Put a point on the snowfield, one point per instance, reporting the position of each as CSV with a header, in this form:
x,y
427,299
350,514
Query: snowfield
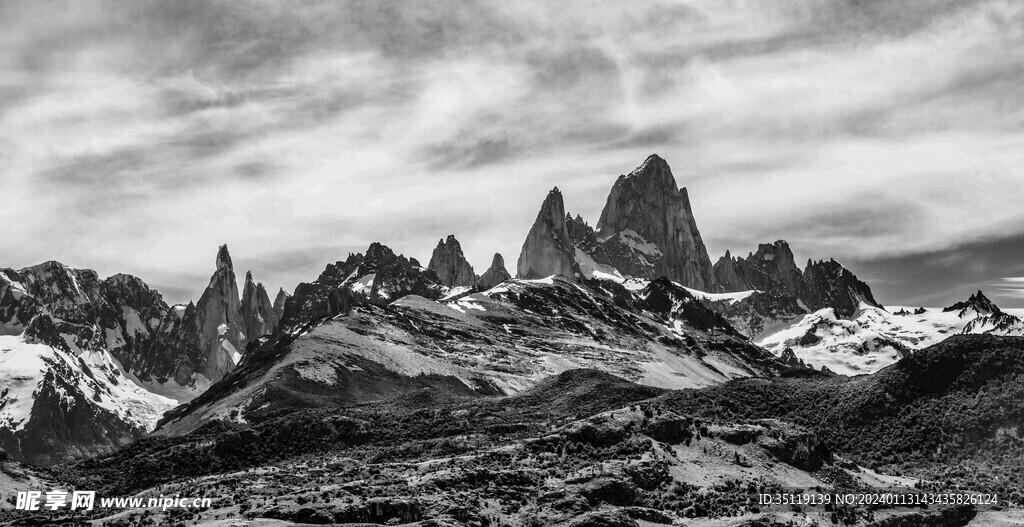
x,y
23,366
872,338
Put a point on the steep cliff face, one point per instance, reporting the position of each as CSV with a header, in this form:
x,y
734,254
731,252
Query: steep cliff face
x,y
257,311
727,276
495,274
70,344
279,302
450,265
221,328
548,249
829,284
771,268
648,230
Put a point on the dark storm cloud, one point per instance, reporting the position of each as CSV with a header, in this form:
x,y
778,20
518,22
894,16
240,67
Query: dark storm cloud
x,y
941,278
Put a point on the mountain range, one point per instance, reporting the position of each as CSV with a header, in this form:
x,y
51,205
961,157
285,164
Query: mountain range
x,y
90,366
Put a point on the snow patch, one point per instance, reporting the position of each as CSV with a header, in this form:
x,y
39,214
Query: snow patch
x,y
714,297
133,323
638,243
591,269
364,284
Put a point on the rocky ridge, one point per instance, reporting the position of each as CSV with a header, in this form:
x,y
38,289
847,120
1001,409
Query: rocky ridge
x,y
380,276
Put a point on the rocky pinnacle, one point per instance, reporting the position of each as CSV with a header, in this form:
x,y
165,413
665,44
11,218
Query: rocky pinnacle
x,y
548,249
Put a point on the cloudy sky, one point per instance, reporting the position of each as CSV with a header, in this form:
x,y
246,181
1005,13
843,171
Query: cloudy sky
x,y
138,136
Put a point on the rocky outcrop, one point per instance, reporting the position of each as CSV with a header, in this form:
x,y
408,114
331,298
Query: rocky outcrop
x,y
257,311
648,230
495,274
783,290
450,265
221,328
727,277
986,316
771,268
829,284
548,249
70,340
279,302
978,302
378,277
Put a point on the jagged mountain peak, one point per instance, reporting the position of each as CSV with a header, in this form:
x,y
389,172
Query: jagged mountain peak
x,y
379,277
258,315
647,228
769,250
495,274
977,302
124,278
654,165
224,258
378,251
449,264
655,175
548,249
829,283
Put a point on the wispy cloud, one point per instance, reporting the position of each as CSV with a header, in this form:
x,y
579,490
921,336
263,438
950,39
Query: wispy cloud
x,y
137,137
1010,286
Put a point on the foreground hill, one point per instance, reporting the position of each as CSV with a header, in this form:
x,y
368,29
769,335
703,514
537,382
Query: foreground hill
x,y
582,448
950,413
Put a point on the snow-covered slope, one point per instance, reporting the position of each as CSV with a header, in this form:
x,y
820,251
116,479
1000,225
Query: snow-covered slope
x,y
64,391
873,338
28,369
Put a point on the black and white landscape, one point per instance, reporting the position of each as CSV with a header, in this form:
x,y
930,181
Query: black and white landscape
x,y
463,291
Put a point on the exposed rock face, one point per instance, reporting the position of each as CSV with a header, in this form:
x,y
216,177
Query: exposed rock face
x,y
379,277
69,341
727,277
495,274
548,249
784,292
978,302
986,316
279,303
771,268
219,319
648,230
450,265
257,311
829,284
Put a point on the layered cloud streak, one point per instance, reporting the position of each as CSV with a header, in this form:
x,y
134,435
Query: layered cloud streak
x,y
136,137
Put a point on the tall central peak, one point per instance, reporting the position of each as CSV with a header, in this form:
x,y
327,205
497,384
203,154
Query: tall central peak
x,y
648,229
656,169
219,323
224,258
